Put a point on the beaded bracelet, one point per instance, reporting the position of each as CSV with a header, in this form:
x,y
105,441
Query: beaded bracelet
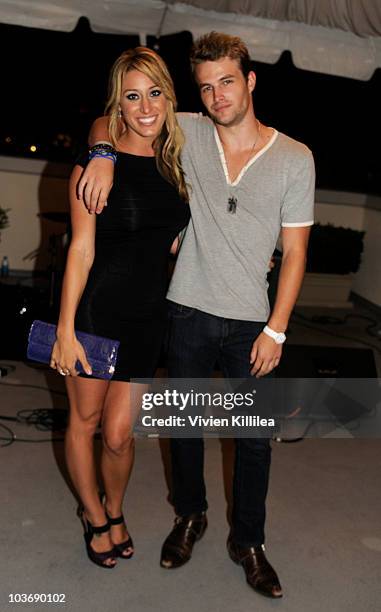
x,y
103,150
102,144
105,155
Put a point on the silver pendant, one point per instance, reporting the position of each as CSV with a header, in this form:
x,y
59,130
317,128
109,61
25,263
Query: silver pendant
x,y
232,205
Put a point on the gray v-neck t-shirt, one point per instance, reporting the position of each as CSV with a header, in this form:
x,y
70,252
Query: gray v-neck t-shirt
x,y
224,257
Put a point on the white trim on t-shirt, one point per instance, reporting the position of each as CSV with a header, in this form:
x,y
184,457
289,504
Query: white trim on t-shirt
x,y
249,163
300,224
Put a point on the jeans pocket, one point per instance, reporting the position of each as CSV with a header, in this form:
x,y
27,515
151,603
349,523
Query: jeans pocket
x,y
180,311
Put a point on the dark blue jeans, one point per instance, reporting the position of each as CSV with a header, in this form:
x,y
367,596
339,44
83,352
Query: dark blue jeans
x,y
196,341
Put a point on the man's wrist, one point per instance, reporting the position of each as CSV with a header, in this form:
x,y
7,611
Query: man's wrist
x,y
278,336
280,324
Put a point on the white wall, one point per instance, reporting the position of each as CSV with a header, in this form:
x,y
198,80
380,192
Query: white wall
x,y
30,187
367,282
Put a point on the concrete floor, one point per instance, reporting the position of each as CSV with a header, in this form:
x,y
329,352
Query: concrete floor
x,y
323,526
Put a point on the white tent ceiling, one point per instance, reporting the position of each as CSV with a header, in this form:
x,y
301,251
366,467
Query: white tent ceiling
x,y
339,37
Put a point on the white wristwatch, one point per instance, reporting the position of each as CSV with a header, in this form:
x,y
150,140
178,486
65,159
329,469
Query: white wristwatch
x,y
278,337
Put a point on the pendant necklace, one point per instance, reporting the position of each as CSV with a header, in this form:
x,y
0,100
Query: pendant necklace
x,y
232,200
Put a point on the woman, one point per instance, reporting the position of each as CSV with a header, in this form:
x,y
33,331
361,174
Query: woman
x,y
114,286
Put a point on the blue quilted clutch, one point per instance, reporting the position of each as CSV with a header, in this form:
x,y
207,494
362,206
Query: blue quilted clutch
x,y
101,352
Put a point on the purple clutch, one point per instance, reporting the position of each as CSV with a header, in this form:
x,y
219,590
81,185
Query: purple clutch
x,y
100,352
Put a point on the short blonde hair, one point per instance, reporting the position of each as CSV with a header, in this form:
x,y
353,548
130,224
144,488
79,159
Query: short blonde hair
x,y
216,45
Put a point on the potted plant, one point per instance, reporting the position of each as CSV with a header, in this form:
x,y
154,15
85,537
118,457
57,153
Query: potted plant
x,y
4,219
334,255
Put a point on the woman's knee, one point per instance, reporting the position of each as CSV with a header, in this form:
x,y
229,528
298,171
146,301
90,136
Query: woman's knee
x,y
84,423
118,443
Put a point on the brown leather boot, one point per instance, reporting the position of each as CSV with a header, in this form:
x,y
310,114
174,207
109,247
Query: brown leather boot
x,y
260,575
177,548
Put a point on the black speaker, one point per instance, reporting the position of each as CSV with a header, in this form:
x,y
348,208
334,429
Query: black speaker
x,y
303,361
20,305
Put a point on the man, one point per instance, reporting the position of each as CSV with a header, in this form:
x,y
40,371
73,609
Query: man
x,y
248,183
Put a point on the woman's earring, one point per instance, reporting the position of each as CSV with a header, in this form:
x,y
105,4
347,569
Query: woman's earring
x,y
119,113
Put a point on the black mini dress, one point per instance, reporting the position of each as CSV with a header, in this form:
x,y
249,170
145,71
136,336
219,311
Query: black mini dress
x,y
124,298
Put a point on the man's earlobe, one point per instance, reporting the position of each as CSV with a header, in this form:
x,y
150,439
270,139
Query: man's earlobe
x,y
251,80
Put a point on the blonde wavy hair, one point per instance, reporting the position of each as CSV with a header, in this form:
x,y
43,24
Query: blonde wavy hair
x,y
169,142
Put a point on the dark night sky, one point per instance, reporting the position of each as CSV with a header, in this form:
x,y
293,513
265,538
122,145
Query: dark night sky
x,y
56,82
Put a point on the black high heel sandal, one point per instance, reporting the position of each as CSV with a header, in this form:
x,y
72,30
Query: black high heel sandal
x,y
98,558
119,549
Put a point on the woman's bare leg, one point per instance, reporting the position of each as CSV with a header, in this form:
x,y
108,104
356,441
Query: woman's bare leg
x,y
86,398
118,451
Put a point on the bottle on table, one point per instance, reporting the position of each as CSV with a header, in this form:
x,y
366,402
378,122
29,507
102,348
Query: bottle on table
x,y
5,267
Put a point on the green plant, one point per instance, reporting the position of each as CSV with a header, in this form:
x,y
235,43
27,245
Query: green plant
x,y
334,250
4,219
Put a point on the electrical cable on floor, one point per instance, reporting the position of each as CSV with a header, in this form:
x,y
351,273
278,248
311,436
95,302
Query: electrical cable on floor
x,y
11,437
373,323
38,387
52,419
28,440
44,419
49,419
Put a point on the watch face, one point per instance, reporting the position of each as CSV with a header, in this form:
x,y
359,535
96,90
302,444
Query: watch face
x,y
280,338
